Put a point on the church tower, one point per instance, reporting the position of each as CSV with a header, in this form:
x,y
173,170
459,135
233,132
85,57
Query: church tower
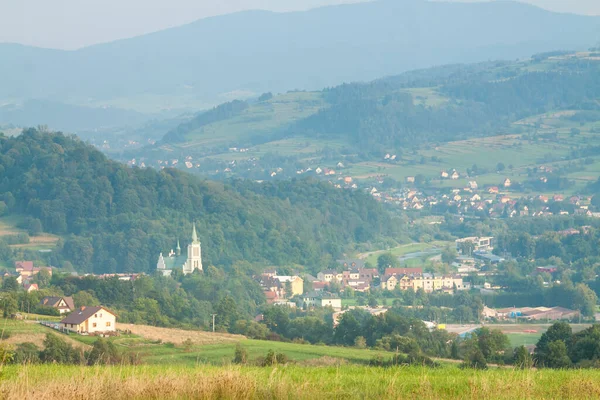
x,y
194,254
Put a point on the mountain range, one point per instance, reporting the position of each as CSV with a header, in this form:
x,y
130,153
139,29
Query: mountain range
x,y
244,54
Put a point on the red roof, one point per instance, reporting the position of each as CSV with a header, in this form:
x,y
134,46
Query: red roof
x,y
403,271
24,265
319,285
270,295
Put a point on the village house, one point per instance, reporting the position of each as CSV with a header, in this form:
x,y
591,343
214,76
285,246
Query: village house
x,y
30,287
26,269
444,174
410,179
455,175
403,271
296,284
493,190
316,299
483,243
88,320
62,304
329,276
389,282
507,183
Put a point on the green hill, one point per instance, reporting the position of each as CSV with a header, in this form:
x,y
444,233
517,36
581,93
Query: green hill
x,y
116,219
521,114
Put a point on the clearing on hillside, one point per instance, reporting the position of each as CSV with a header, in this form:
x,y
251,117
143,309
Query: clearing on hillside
x,y
179,336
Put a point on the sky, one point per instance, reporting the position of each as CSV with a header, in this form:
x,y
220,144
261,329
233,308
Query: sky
x,y
71,24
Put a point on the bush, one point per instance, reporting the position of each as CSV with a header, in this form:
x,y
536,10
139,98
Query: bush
x,y
103,352
360,342
56,350
27,353
241,355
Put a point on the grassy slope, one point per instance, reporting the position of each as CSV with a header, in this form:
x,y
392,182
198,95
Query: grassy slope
x,y
515,150
296,382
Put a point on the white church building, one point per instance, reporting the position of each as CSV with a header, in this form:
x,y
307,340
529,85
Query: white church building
x,y
188,263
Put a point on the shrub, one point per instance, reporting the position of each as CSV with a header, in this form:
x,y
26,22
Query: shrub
x,y
27,353
241,355
360,342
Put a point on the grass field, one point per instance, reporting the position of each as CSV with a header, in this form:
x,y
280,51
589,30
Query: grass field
x,y
44,241
402,250
46,382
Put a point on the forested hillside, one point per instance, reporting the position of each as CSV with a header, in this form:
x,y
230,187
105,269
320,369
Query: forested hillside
x,y
401,112
117,219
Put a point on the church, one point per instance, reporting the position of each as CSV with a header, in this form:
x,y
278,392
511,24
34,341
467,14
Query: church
x,y
189,263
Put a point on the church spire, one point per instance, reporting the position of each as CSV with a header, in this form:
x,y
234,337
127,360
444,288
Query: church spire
x,y
178,249
194,234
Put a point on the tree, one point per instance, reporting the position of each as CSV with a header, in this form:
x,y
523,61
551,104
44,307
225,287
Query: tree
x,y
559,331
34,227
10,284
557,355
448,254
500,167
43,278
475,359
522,359
85,298
56,350
373,302
386,260
9,306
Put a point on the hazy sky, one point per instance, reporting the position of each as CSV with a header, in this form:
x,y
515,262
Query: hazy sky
x,y
69,24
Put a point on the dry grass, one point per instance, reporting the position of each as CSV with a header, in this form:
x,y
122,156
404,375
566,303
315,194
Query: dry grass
x,y
38,340
48,382
179,336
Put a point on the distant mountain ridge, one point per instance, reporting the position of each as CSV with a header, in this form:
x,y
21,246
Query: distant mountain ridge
x,y
257,51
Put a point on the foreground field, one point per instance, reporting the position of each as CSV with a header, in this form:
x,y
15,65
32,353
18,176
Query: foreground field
x,y
292,382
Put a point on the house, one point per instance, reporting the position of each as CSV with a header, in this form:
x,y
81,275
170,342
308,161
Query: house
x,y
296,284
473,185
271,296
483,243
403,271
63,304
316,299
389,282
410,179
444,174
455,175
493,190
329,275
30,287
26,269
90,320
507,183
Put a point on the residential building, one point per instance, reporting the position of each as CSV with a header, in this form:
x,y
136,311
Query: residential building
x,y
329,276
90,320
389,282
317,299
63,304
30,287
483,243
296,283
403,271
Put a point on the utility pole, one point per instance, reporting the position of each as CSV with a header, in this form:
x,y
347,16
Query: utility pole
x,y
213,316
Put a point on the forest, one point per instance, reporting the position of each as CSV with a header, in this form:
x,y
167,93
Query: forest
x,y
482,100
112,218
